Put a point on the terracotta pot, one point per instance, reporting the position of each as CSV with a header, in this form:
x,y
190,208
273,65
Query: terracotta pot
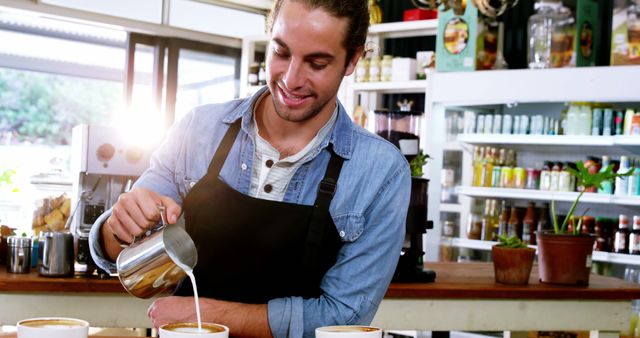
x,y
512,266
565,258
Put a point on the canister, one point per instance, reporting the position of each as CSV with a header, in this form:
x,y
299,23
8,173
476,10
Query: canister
x,y
19,254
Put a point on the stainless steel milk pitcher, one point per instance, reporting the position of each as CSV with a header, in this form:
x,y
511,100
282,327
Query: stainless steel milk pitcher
x,y
157,262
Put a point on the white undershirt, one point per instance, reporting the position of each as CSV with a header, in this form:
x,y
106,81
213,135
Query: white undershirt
x,y
270,175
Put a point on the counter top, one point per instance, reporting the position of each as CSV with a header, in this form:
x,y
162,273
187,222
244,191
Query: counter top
x,y
453,280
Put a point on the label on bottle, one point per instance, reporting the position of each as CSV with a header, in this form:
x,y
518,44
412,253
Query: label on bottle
x,y
620,244
408,146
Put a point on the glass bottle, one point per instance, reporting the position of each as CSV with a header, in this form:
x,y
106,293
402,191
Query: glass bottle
x,y
262,74
562,38
487,170
540,31
446,247
544,222
633,30
621,239
633,181
545,176
387,62
634,237
474,223
477,166
606,186
555,175
503,219
529,225
487,226
622,182
362,70
514,227
374,69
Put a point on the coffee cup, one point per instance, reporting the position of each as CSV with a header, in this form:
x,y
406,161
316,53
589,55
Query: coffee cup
x,y
52,327
190,330
348,331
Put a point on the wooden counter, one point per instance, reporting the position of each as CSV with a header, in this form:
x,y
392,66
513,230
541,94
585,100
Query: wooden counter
x,y
464,297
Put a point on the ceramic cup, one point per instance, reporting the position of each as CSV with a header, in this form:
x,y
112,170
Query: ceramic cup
x,y
190,330
53,327
348,331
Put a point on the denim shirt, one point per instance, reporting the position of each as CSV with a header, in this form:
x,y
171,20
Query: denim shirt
x,y
369,207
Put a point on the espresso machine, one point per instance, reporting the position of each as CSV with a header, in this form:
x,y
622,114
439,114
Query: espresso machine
x,y
402,128
105,162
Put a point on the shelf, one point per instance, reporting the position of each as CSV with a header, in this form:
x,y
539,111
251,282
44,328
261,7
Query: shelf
x,y
556,140
452,146
590,84
598,256
451,207
405,29
399,86
541,195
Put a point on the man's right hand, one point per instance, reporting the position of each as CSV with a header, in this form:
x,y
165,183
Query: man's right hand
x,y
134,213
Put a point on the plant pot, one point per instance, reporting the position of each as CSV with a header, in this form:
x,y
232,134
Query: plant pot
x,y
512,266
564,258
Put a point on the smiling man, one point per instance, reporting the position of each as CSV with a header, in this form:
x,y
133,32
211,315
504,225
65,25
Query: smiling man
x,y
297,213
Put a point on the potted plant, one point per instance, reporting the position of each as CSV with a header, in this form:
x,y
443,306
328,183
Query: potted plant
x,y
512,261
564,257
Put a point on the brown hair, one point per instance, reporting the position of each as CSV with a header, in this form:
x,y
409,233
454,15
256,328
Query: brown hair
x,y
356,11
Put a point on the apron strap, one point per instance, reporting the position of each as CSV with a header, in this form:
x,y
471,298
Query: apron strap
x,y
223,149
317,232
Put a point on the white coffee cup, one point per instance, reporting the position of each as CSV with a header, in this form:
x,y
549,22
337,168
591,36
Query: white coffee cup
x,y
190,330
53,327
348,331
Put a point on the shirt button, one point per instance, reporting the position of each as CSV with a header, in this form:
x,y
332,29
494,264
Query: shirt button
x,y
342,233
269,163
243,166
191,184
268,188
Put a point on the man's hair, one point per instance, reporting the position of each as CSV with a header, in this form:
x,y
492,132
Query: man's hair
x,y
356,12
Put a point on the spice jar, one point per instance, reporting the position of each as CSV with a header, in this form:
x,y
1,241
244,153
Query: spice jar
x,y
374,69
362,70
386,68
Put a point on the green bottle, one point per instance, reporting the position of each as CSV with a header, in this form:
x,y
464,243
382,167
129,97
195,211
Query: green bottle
x,y
607,185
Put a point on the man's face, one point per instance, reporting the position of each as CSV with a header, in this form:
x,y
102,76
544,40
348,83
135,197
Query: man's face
x,y
306,61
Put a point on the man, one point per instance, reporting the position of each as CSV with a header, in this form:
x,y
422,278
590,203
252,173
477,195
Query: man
x,y
282,247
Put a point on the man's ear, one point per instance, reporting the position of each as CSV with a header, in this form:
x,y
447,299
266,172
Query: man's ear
x,y
351,64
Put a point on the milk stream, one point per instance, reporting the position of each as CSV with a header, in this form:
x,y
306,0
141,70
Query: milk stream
x,y
195,296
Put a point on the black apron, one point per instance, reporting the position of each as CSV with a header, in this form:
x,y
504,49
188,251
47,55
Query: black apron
x,y
252,250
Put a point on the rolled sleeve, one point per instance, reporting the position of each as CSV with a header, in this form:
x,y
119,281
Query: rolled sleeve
x,y
286,317
94,244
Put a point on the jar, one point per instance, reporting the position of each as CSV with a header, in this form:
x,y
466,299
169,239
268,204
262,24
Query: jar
x,y
386,68
19,254
374,69
533,179
362,70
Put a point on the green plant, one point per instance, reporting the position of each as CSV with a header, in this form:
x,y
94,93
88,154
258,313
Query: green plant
x,y
586,180
512,242
417,163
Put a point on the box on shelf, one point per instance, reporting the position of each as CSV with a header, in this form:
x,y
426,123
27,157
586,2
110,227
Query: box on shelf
x,y
419,14
625,33
466,42
403,69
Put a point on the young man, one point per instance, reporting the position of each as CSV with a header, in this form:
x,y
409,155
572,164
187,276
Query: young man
x,y
297,213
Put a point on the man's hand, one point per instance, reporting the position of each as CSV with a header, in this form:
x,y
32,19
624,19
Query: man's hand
x,y
134,213
243,320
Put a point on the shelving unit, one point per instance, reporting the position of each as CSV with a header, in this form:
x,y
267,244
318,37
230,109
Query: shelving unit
x,y
250,45
521,89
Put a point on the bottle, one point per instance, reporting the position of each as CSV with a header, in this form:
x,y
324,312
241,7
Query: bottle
x,y
545,176
262,74
540,30
362,70
621,239
487,226
628,120
565,179
374,69
387,61
562,38
529,225
487,170
514,226
596,122
555,176
573,119
633,181
477,166
634,237
584,120
253,74
446,248
503,220
544,222
622,182
474,223
606,187
607,122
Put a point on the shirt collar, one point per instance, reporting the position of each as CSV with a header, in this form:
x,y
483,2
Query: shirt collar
x,y
341,137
